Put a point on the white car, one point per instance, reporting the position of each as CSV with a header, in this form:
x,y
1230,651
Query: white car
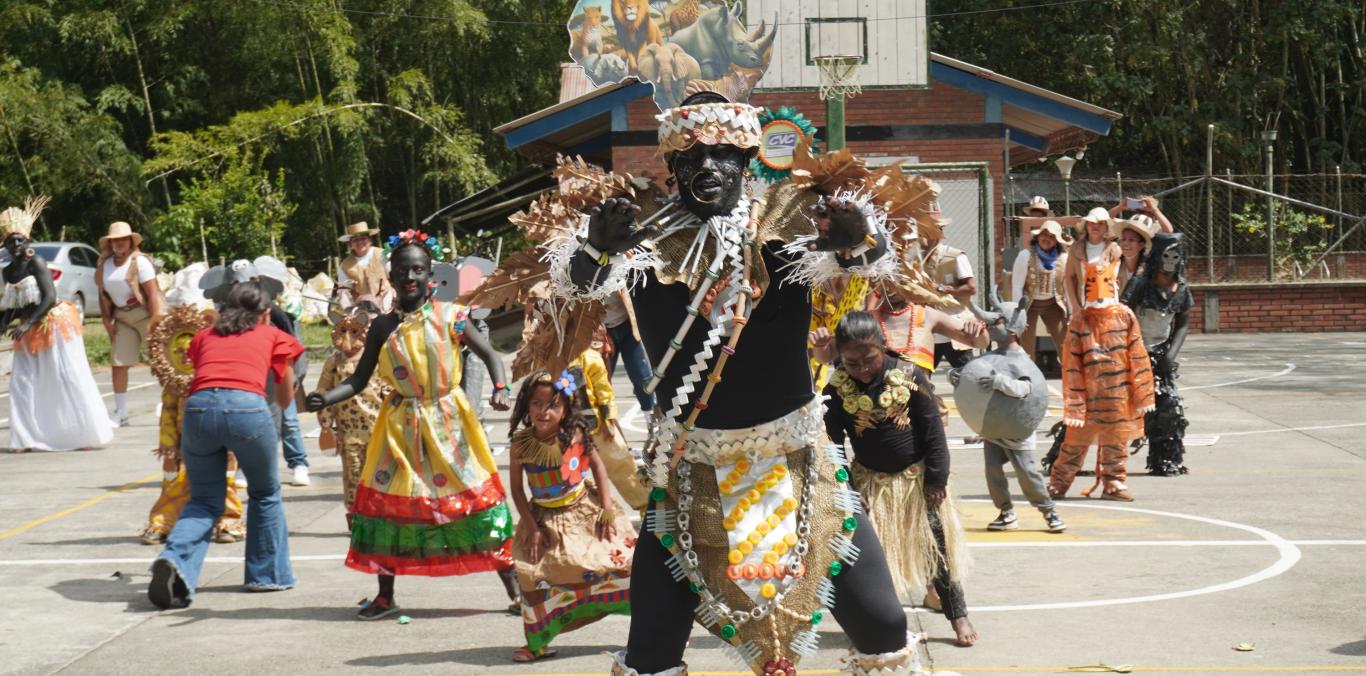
x,y
73,272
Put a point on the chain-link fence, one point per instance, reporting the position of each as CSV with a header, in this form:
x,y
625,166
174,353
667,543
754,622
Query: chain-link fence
x,y
1317,219
965,198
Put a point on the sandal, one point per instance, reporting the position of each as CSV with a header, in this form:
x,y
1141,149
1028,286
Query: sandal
x,y
377,608
524,654
515,609
152,536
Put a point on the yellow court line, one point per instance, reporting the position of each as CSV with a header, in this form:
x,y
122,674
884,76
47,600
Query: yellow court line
x,y
1239,669
72,510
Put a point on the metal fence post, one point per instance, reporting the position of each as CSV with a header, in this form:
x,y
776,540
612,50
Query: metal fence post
x,y
1269,136
1209,204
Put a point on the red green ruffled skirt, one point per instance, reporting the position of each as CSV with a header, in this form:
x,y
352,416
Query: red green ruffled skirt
x,y
452,535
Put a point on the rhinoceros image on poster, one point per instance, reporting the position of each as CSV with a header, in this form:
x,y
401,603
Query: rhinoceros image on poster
x,y
988,411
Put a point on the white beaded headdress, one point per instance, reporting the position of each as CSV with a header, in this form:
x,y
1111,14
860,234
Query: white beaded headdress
x,y
683,127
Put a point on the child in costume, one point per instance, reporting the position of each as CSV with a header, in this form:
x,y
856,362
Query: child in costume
x,y
167,340
1107,379
1002,396
429,501
349,423
573,548
883,405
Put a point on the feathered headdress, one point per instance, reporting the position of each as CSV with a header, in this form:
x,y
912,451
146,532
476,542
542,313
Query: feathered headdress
x,y
15,220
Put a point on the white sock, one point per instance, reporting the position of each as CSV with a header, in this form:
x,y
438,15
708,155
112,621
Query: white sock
x,y
120,405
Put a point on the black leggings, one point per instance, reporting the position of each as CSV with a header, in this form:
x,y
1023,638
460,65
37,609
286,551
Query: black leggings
x,y
866,605
950,593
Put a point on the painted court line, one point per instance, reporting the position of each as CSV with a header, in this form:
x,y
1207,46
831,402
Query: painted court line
x,y
5,421
982,545
1289,556
1288,368
72,510
1294,429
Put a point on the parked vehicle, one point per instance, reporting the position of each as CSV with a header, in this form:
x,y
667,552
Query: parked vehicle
x,y
73,271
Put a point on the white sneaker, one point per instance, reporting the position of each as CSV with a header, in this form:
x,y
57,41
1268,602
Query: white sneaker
x,y
300,476
241,480
118,422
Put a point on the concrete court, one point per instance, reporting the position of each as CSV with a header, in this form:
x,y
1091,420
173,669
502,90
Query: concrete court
x,y
1262,544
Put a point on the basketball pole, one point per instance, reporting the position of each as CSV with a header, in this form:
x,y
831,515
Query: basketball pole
x,y
834,123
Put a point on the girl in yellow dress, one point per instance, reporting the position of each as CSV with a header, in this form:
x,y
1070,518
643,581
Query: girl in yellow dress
x,y
430,501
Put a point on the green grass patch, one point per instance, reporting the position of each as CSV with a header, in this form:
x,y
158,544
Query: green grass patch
x,y
96,343
318,339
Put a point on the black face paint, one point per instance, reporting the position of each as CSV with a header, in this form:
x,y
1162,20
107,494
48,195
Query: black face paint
x,y
16,244
711,178
410,272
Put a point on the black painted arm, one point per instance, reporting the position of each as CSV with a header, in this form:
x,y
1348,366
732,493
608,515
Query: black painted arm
x,y
365,368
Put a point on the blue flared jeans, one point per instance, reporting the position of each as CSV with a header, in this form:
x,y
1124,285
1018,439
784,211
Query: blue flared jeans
x,y
216,421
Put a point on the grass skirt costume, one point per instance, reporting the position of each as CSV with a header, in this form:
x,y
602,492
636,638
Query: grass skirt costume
x,y
578,578
54,402
430,501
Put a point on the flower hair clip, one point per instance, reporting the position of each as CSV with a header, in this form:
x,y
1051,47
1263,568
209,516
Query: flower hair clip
x,y
565,384
411,235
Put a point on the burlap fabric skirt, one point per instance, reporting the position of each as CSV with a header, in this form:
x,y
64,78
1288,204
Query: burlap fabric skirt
x,y
578,578
899,512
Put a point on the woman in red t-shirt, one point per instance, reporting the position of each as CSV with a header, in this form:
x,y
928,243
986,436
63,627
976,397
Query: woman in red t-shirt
x,y
227,409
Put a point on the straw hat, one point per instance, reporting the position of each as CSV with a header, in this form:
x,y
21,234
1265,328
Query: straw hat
x,y
1037,202
19,221
1143,226
1098,215
361,229
1054,228
119,230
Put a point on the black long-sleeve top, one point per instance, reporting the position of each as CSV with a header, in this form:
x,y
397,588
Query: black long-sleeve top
x,y
767,378
885,447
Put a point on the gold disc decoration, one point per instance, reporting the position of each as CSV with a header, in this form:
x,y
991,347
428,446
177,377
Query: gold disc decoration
x,y
167,343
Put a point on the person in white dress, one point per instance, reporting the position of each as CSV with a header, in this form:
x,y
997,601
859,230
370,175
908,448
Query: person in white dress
x,y
54,403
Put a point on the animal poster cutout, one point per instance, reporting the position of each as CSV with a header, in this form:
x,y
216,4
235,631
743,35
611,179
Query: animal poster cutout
x,y
679,46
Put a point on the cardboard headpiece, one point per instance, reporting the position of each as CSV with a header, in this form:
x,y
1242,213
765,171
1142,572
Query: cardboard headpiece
x,y
681,48
167,341
270,272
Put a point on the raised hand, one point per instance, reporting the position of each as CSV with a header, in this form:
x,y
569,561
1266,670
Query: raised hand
x,y
612,226
840,225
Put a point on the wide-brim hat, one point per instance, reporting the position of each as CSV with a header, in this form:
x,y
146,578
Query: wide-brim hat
x,y
1141,225
1053,228
359,229
119,230
1037,202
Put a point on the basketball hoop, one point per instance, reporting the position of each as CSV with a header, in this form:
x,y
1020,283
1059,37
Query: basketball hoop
x,y
838,75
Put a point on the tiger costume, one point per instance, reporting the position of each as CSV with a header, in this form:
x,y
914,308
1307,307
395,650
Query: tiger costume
x,y
1107,382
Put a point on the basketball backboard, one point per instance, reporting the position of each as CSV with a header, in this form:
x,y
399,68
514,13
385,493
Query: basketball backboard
x,y
889,36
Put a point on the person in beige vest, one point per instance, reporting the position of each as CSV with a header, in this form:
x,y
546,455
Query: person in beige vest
x,y
1038,275
952,272
129,299
362,273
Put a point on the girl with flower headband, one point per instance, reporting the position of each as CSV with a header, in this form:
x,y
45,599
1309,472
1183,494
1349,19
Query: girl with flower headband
x,y
573,548
429,499
883,404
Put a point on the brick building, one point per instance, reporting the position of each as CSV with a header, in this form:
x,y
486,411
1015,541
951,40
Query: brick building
x,y
967,114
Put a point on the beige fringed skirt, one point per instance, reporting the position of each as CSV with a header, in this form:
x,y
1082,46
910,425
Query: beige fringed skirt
x,y
897,506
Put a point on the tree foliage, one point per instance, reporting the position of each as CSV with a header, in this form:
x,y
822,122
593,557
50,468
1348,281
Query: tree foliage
x,y
380,110
1172,67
